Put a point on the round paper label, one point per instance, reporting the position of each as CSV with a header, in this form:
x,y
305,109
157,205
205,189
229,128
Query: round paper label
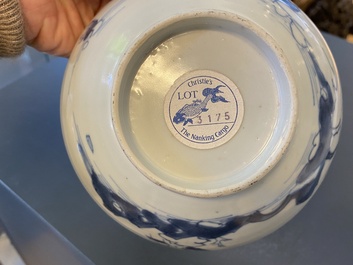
x,y
203,109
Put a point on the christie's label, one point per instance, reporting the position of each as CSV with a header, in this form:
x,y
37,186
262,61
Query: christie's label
x,y
203,109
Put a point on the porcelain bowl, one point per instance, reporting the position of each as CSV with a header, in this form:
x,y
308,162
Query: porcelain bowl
x,y
201,124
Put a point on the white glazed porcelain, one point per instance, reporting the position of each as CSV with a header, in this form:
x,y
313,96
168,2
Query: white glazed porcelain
x,y
201,124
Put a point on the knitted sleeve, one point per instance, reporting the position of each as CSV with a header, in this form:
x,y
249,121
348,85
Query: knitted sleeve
x,y
12,38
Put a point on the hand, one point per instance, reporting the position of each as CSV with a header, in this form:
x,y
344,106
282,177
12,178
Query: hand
x,y
53,26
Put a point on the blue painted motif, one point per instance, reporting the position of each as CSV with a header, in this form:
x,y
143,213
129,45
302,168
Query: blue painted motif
x,y
214,231
190,111
288,3
92,30
98,24
89,142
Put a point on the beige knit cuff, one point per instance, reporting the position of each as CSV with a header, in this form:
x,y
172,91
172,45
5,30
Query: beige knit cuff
x,y
12,38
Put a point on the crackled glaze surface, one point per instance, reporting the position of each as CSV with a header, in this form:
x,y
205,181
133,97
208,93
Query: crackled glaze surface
x,y
139,187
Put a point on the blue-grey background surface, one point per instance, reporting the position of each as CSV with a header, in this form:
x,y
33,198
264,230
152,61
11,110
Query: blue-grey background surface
x,y
34,163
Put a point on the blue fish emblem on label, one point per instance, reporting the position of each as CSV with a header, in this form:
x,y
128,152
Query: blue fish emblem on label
x,y
189,111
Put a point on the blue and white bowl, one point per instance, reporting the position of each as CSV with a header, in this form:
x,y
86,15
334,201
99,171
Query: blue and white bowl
x,y
201,124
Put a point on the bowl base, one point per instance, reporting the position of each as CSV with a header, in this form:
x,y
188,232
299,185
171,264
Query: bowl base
x,y
206,104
